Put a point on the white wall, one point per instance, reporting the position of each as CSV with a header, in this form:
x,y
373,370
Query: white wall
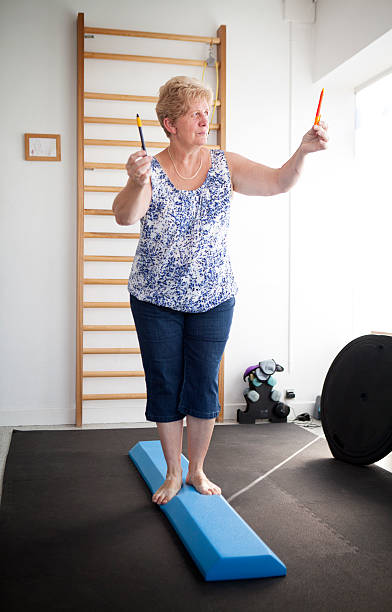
x,y
299,237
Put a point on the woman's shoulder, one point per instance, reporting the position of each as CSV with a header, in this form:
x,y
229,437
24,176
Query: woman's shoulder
x,y
235,161
155,159
159,155
229,157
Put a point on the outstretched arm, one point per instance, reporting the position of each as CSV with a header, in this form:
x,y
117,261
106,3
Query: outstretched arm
x,y
316,139
251,178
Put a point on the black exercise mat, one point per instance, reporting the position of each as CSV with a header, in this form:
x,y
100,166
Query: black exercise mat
x,y
78,530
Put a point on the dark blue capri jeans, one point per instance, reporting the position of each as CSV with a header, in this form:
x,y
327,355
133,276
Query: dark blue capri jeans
x,y
181,354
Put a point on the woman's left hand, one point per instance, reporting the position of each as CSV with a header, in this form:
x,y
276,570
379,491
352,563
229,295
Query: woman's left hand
x,y
316,139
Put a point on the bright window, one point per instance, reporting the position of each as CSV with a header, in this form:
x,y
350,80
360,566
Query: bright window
x,y
372,301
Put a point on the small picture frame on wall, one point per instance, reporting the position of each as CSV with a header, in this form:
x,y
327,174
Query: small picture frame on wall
x,y
42,147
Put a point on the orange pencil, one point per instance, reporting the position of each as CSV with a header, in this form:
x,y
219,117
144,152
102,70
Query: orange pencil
x,y
318,116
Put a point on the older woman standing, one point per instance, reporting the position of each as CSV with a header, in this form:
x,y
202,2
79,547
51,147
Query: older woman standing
x,y
182,290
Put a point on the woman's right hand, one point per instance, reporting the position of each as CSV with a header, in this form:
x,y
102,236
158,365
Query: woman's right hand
x,y
138,167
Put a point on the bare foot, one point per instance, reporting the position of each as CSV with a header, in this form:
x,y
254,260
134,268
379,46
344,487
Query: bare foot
x,y
201,483
168,490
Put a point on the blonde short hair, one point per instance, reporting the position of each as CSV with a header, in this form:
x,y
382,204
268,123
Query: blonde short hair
x,y
177,94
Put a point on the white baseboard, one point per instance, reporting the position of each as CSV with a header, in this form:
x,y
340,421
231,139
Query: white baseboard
x,y
101,415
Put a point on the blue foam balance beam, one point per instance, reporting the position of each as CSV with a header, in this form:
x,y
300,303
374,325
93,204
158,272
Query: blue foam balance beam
x,y
220,542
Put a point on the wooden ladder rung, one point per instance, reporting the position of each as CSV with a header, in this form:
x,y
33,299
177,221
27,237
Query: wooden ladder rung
x,y
97,95
125,57
108,396
131,143
99,374
102,189
161,35
106,305
108,258
94,142
103,166
111,351
126,121
109,328
105,281
109,235
120,121
98,211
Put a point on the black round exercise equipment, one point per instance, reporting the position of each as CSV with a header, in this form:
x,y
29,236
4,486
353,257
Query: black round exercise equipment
x,y
356,401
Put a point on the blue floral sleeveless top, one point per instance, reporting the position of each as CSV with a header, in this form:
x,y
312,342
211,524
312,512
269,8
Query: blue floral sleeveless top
x,y
181,260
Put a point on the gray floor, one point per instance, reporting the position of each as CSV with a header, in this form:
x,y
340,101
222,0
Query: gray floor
x,y
6,434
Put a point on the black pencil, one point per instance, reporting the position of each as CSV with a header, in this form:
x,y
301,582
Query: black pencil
x,y
139,125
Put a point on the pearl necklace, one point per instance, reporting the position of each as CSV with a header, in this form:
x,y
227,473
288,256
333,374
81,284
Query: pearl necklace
x,y
187,178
